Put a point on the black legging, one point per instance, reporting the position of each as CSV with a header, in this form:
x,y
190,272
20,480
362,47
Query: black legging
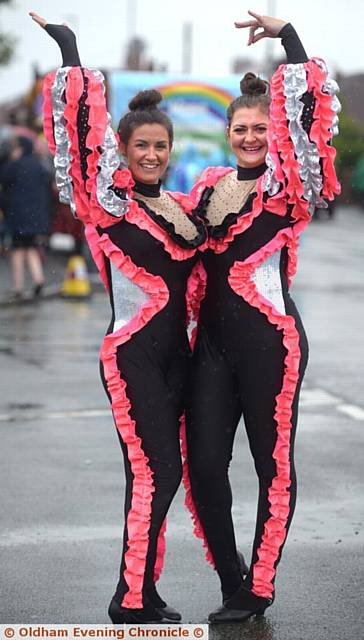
x,y
226,385
155,398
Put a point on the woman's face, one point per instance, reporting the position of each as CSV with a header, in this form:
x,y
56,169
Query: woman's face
x,y
147,152
247,136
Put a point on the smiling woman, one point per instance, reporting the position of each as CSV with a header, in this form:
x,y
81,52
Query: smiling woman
x,y
248,117
144,242
148,151
146,137
251,348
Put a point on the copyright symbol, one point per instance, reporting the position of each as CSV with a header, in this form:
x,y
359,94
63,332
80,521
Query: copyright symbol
x,y
198,632
9,632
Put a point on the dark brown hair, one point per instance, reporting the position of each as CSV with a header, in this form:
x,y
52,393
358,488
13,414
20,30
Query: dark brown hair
x,y
144,110
254,93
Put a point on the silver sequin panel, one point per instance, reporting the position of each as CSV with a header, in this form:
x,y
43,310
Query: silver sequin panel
x,y
332,88
128,297
270,182
62,158
295,85
267,280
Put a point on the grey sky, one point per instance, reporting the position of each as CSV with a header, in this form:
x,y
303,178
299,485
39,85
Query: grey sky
x,y
331,29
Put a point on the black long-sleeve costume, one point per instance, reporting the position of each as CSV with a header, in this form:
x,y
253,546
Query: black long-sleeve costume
x,y
144,244
251,349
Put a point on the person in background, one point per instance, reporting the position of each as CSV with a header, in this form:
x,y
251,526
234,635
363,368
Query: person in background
x,y
26,202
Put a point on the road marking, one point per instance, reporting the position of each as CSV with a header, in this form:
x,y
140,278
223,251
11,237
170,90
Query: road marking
x,y
50,415
357,413
62,534
82,413
309,398
317,397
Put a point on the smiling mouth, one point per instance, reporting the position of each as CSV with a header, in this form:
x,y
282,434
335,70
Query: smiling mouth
x,y
150,167
251,149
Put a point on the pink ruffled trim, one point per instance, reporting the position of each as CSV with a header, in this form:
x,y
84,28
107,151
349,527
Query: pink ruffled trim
x,y
92,238
275,204
161,551
74,90
98,121
321,130
48,111
138,519
243,222
293,244
195,293
280,132
209,177
137,216
240,280
185,201
196,287
84,194
320,134
189,503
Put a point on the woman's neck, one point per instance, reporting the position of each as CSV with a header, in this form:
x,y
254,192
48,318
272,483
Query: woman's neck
x,y
149,190
251,173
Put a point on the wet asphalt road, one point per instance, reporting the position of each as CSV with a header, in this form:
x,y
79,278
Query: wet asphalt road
x,y
61,475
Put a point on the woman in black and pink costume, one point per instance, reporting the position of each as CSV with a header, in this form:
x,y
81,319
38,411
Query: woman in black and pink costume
x,y
144,243
251,349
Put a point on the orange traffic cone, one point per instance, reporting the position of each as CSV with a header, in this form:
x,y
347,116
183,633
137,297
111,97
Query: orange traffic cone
x,y
76,283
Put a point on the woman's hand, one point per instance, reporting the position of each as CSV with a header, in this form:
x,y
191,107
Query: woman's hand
x,y
64,37
41,21
271,27
60,32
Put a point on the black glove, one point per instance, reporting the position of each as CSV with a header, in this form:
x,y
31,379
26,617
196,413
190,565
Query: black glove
x,y
66,40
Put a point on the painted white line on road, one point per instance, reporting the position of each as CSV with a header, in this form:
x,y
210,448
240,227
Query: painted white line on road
x,y
317,397
310,399
83,413
50,415
357,413
79,533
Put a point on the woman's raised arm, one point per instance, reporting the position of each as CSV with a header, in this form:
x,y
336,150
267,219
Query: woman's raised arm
x,y
303,120
79,134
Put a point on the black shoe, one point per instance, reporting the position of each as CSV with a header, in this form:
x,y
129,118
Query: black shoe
x,y
244,569
37,290
170,613
122,615
162,607
15,297
242,605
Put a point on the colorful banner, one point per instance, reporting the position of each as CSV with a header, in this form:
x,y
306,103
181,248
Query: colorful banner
x,y
197,107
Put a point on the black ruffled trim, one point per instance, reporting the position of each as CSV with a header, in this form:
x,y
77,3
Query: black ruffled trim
x,y
169,228
120,192
220,230
309,103
83,128
199,212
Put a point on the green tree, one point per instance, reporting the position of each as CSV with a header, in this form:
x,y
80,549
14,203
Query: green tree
x,y
6,43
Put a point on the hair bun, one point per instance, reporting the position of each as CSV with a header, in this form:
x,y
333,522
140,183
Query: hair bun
x,y
252,85
144,100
